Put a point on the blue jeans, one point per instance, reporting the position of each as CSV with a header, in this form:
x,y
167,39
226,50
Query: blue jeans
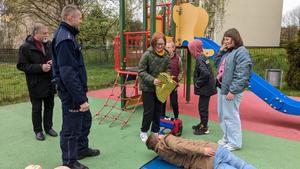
x,y
224,159
229,118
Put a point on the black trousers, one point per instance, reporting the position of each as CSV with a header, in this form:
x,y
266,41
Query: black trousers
x,y
174,104
75,130
203,105
37,113
152,110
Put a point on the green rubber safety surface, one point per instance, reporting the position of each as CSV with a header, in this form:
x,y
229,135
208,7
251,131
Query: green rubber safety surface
x,y
122,149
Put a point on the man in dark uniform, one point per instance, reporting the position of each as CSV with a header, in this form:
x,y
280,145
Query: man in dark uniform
x,y
70,76
35,61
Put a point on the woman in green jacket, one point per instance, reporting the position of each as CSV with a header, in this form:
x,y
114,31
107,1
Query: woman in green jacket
x,y
154,61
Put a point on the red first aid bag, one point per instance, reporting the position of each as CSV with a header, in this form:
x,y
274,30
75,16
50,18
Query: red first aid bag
x,y
175,125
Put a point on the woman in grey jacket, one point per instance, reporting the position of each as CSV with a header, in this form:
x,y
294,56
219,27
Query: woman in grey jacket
x,y
234,69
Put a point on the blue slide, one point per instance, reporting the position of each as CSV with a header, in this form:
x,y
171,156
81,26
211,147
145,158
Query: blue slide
x,y
264,90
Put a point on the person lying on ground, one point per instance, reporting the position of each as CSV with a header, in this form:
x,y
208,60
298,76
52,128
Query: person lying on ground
x,y
194,154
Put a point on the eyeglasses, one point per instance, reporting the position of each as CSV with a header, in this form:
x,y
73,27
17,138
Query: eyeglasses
x,y
160,44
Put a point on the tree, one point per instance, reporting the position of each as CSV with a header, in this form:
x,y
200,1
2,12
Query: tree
x,y
293,75
215,10
45,11
96,26
9,26
291,25
133,9
288,34
292,18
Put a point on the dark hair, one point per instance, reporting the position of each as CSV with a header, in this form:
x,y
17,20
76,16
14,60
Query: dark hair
x,y
151,141
235,35
155,37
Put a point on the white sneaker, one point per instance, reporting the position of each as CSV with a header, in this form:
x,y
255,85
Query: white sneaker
x,y
156,134
230,147
222,142
143,136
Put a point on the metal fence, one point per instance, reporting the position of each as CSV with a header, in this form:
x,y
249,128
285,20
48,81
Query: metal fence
x,y
264,58
13,86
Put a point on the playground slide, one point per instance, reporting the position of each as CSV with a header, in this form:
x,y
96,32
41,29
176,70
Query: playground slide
x,y
271,95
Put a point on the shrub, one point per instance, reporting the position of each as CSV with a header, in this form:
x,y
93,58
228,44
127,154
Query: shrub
x,y
293,74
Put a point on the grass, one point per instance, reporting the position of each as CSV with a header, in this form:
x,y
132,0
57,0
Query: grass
x,y
13,88
100,76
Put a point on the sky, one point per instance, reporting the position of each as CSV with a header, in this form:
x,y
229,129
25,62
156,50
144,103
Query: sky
x,y
289,5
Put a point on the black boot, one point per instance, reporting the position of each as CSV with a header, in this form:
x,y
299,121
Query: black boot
x,y
77,165
88,153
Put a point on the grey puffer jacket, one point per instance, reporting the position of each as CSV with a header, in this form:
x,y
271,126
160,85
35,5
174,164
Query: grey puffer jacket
x,y
150,66
237,70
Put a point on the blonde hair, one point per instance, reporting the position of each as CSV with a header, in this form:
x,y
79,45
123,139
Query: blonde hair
x,y
171,41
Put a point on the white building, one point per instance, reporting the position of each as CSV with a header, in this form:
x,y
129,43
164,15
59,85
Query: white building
x,y
258,21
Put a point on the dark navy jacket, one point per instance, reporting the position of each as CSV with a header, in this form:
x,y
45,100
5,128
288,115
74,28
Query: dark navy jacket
x,y
68,67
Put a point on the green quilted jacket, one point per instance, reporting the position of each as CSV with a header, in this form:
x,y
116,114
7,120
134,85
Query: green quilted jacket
x,y
150,66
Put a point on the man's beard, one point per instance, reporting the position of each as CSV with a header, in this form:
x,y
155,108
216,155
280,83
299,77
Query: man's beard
x,y
45,40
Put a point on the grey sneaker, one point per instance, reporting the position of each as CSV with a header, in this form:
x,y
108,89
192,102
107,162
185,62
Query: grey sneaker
x,y
222,142
230,147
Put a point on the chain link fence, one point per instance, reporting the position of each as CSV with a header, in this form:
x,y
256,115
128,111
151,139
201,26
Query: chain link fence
x,y
13,86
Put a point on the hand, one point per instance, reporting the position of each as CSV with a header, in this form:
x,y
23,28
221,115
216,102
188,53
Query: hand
x,y
84,107
223,47
46,67
230,96
157,82
208,151
49,62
